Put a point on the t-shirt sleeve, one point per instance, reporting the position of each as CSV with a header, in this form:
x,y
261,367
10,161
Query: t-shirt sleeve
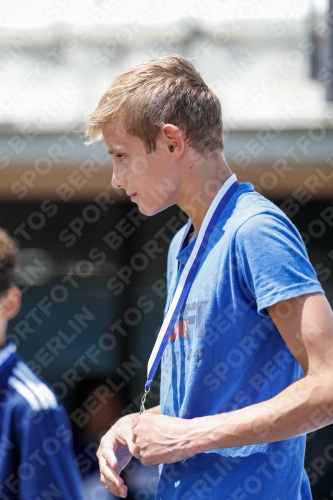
x,y
272,262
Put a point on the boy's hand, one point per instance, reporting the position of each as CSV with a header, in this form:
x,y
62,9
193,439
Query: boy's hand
x,y
114,452
162,439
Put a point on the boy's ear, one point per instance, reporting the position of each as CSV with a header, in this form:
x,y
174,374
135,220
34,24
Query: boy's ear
x,y
10,303
174,140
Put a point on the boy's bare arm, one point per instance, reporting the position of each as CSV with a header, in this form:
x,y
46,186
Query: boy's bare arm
x,y
306,324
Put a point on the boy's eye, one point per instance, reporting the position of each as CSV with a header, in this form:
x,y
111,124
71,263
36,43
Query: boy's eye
x,y
120,156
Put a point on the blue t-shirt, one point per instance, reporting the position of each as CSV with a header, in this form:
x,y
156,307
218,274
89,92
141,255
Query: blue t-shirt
x,y
36,456
225,352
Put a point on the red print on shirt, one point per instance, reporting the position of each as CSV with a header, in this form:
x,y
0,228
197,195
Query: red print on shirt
x,y
180,330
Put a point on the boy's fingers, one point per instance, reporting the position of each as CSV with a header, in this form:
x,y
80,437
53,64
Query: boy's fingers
x,y
135,423
112,481
110,457
118,491
107,470
106,450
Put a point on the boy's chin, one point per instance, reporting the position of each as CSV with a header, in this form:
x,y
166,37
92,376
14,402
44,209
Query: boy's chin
x,y
150,210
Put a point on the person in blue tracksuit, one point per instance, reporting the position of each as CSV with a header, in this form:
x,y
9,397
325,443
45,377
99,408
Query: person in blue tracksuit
x,y
36,456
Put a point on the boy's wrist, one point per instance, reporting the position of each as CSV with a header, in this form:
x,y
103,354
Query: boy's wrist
x,y
196,437
202,434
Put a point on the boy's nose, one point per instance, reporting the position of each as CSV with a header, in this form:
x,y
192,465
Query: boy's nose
x,y
117,180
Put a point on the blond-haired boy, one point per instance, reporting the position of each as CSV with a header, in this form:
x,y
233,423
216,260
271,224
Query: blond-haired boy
x,y
247,370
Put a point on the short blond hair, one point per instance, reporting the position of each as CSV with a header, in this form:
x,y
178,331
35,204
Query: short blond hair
x,y
160,91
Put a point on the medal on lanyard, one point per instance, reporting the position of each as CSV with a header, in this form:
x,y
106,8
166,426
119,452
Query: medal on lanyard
x,y
187,277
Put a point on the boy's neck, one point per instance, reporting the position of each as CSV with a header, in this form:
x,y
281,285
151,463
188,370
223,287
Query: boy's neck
x,y
203,183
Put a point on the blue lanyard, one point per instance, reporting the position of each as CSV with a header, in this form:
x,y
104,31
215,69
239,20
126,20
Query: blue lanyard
x,y
187,277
